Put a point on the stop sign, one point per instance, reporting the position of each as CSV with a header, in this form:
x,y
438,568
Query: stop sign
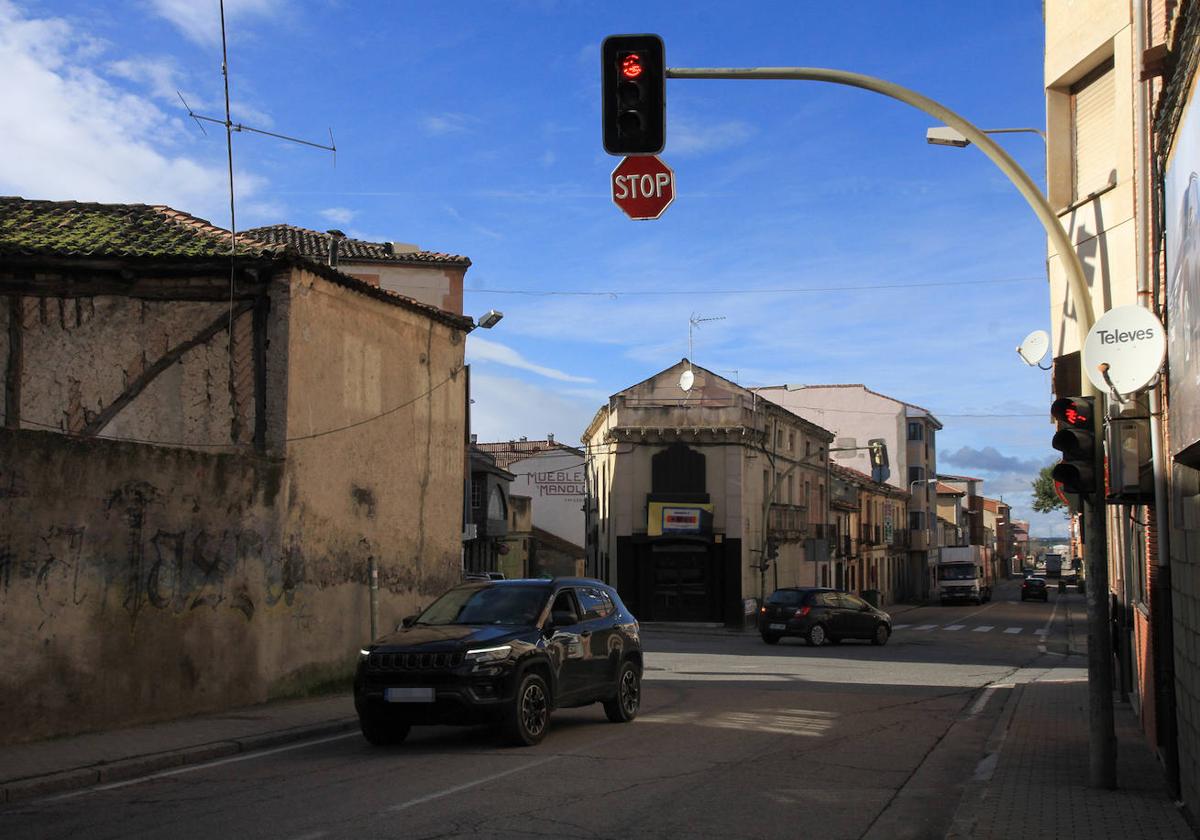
x,y
643,186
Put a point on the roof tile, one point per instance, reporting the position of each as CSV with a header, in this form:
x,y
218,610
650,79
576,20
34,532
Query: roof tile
x,y
315,245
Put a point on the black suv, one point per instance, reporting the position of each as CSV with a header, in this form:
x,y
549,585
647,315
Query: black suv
x,y
506,652
820,616
1034,588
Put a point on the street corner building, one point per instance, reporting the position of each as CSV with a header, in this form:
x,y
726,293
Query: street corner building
x,y
703,497
202,455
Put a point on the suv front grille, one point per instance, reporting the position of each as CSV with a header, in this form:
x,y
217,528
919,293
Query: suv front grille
x,y
413,661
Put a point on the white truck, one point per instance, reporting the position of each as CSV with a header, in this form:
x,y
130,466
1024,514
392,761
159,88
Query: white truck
x,y
963,574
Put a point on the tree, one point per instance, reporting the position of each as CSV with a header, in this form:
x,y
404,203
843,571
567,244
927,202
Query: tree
x,y
1045,498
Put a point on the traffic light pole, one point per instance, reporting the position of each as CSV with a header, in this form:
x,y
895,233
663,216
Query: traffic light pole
x,y
1102,740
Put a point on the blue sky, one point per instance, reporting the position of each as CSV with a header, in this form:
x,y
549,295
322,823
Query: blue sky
x,y
473,128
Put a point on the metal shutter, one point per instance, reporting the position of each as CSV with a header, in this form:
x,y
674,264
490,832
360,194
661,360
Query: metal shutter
x,y
1093,131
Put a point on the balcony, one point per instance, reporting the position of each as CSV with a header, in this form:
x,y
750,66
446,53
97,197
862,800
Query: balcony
x,y
871,534
788,521
901,538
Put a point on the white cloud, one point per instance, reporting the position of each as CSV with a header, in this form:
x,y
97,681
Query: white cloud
x,y
338,215
505,409
159,75
200,21
686,136
440,124
482,350
71,133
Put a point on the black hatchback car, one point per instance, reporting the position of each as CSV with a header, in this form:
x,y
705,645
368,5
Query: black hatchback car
x,y
506,652
821,615
1034,589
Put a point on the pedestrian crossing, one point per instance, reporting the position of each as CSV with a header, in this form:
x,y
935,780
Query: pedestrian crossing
x,y
982,628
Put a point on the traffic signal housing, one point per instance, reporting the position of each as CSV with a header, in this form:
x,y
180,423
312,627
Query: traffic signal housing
x,y
1076,440
633,82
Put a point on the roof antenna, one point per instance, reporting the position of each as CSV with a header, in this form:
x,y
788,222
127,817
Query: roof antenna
x,y
230,127
693,323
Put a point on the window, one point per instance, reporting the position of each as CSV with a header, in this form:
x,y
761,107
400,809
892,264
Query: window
x,y
786,597
915,431
916,474
791,441
592,603
564,612
807,493
1093,132
496,507
791,489
476,495
807,448
916,520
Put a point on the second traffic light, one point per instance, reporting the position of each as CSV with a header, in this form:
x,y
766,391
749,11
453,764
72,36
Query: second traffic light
x,y
633,83
1076,440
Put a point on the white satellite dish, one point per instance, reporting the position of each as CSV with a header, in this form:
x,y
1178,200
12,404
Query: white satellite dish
x,y
686,380
1124,349
1033,348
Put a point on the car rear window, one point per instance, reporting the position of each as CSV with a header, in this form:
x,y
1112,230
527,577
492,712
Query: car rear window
x,y
786,598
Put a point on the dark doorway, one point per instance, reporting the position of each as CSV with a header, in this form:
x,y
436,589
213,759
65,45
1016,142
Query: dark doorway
x,y
681,586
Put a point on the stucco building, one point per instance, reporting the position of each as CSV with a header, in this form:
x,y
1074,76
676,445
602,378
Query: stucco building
x,y
870,540
201,467
856,414
692,482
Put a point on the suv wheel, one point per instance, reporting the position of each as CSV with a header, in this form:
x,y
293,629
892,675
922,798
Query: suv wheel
x,y
530,712
381,731
816,635
624,706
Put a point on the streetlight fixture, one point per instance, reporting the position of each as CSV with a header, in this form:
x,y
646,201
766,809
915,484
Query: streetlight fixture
x,y
491,319
944,135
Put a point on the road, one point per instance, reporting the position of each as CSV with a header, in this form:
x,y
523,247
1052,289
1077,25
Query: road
x,y
735,739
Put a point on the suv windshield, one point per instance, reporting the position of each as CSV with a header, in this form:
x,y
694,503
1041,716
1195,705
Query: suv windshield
x,y
487,605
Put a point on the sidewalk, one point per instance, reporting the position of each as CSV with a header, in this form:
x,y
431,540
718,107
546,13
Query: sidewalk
x,y
1034,781
42,768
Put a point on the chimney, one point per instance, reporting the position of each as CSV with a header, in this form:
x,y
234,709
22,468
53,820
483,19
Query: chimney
x,y
524,439
550,437
335,237
474,438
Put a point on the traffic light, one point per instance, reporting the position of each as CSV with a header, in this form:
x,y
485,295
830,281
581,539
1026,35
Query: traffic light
x,y
633,81
772,549
1076,440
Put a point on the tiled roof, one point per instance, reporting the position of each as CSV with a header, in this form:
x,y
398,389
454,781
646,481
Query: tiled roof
x,y
32,228
40,229
315,245
947,490
509,452
860,477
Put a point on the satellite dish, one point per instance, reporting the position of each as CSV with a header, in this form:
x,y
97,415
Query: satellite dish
x,y
1033,348
686,380
1125,349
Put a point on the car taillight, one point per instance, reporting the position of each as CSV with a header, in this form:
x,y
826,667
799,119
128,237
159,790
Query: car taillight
x,y
800,613
762,609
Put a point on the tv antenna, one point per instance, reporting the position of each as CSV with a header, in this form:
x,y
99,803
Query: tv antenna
x,y
694,321
230,127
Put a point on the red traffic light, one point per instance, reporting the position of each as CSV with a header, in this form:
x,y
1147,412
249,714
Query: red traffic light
x,y
631,65
1074,411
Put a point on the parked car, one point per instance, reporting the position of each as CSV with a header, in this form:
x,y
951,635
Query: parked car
x,y
1034,589
507,652
821,615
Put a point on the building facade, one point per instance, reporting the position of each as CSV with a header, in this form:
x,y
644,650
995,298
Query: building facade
x,y
857,415
197,466
870,542
703,497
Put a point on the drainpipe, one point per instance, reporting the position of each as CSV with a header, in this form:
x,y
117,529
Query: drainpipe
x,y
1159,584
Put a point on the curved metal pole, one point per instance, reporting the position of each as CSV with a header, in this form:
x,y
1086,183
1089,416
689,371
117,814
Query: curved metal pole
x,y
1102,740
1020,179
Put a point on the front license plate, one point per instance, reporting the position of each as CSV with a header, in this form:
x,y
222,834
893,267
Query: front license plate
x,y
408,695
777,626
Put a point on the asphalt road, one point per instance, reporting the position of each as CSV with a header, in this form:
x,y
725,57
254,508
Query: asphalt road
x,y
735,739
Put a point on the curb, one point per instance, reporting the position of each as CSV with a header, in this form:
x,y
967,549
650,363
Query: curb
x,y
134,766
962,824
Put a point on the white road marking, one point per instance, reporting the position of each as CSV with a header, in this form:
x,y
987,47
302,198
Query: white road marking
x,y
421,800
1046,627
981,701
1014,629
983,628
901,626
1042,632
925,627
191,768
954,626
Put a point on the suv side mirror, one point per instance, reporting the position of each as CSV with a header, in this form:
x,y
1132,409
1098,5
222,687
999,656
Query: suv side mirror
x,y
408,621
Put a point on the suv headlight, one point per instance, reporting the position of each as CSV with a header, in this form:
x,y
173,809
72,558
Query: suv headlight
x,y
490,654
363,653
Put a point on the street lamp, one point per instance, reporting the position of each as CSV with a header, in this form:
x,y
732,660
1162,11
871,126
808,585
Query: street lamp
x,y
944,135
491,319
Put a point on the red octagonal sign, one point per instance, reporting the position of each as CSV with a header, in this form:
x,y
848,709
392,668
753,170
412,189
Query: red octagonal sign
x,y
643,186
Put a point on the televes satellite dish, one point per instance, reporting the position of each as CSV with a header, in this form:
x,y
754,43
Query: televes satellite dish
x,y
1124,349
686,380
1033,348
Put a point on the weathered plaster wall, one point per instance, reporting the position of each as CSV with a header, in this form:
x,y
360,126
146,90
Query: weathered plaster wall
x,y
80,354
138,583
439,286
376,412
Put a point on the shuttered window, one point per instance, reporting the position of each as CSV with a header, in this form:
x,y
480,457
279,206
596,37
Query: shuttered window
x,y
1093,132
